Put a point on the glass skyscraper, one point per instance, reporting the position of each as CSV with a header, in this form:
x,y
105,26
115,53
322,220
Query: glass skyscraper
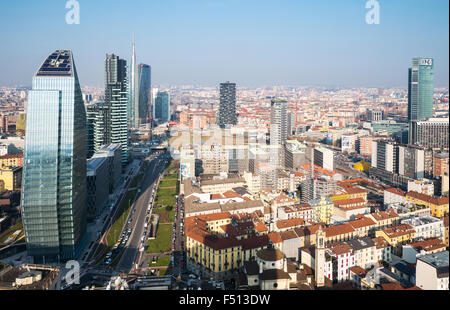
x,y
54,173
162,107
143,94
420,89
227,109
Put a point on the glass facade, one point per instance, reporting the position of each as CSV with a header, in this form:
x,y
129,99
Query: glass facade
x,y
54,175
162,107
420,89
144,78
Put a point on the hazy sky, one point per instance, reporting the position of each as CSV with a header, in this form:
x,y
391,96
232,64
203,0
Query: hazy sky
x,y
250,42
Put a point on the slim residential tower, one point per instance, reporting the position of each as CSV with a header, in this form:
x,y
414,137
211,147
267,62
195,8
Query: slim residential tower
x,y
227,109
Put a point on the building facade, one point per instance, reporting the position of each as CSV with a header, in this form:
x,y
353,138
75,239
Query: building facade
x,y
54,177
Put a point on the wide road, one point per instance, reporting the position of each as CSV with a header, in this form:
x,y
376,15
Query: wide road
x,y
154,170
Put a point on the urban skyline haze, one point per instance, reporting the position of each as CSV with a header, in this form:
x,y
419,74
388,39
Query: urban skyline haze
x,y
253,43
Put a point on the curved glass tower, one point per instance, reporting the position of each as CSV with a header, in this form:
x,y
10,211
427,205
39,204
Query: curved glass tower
x,y
54,175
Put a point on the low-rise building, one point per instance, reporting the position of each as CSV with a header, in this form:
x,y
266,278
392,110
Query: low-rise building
x,y
413,250
437,205
394,195
426,226
432,271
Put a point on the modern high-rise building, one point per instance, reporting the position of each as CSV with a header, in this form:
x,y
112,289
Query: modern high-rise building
x,y
143,95
397,163
162,107
54,175
116,99
420,89
278,122
139,97
227,109
132,101
429,133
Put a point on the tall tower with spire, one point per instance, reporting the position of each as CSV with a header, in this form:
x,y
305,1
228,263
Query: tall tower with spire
x,y
132,95
320,258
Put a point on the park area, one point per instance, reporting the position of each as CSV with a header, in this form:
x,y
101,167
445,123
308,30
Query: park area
x,y
161,243
164,207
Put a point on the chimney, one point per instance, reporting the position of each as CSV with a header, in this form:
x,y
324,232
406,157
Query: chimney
x,y
284,265
260,268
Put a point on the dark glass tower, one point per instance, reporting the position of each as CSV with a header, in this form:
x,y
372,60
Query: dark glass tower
x,y
420,89
227,109
162,106
143,94
54,175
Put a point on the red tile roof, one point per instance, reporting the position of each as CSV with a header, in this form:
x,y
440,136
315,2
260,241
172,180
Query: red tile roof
x,y
439,201
338,230
396,191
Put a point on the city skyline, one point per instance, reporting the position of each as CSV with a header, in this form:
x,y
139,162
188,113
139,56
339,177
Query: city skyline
x,y
291,40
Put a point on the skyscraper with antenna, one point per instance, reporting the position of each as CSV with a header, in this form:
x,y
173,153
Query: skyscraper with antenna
x,y
139,91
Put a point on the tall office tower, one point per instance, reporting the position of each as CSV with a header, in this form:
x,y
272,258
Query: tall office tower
x,y
153,99
278,122
398,164
132,101
54,174
420,89
116,130
290,123
278,130
227,108
143,95
162,107
429,133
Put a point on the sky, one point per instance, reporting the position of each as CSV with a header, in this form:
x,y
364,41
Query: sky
x,y
250,42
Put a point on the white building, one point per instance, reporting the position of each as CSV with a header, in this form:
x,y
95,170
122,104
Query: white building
x,y
423,186
432,271
394,195
426,226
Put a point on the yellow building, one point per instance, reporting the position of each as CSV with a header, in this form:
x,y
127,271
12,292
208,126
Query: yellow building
x,y
11,178
21,121
397,235
212,253
437,205
11,160
350,192
323,209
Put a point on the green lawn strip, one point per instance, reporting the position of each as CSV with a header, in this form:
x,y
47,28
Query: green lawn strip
x,y
162,272
166,214
161,243
116,228
161,262
10,231
168,183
